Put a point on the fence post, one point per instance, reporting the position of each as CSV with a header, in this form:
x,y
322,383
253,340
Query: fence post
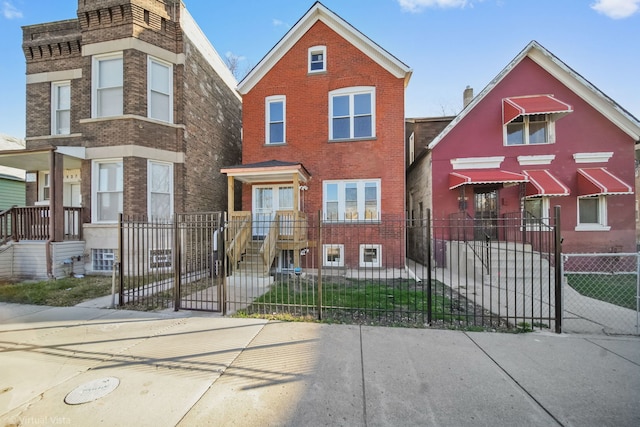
x,y
120,252
428,247
320,263
177,263
558,269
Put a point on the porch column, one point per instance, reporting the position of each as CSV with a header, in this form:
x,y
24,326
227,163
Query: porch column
x,y
230,195
56,206
296,192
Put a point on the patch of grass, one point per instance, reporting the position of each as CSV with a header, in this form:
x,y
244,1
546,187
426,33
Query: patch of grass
x,y
64,292
396,302
618,289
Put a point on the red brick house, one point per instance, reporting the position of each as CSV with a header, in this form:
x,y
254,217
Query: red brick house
x,y
538,136
323,131
129,110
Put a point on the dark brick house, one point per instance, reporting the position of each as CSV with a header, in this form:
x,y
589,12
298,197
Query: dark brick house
x,y
129,110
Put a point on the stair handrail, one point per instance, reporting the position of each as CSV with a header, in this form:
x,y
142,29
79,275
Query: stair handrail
x,y
238,241
6,226
268,248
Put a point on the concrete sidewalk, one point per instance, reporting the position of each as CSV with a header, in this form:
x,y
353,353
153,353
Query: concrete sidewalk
x,y
193,369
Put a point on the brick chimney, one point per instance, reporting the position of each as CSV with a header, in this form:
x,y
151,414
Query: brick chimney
x,y
467,96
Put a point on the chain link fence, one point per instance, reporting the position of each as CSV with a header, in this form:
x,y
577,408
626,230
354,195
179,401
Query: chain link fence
x,y
601,293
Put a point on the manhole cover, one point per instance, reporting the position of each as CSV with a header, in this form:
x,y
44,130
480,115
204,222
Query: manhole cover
x,y
92,390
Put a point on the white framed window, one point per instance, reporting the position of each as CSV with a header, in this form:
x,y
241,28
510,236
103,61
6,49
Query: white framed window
x,y
592,214
333,255
317,59
160,190
370,255
357,200
61,108
530,130
107,190
536,211
159,90
275,120
412,147
44,184
107,85
352,113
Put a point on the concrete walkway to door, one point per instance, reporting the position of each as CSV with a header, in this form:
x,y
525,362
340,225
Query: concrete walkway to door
x,y
189,369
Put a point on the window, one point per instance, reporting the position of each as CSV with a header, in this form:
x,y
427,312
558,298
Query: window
x,y
352,200
45,185
370,255
351,113
536,211
592,214
531,129
107,98
160,187
102,259
317,59
61,108
333,255
160,90
275,119
107,188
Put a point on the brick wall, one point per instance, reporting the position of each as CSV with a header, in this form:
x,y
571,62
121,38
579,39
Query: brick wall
x,y
307,121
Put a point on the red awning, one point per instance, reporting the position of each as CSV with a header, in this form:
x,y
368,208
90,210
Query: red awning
x,y
456,179
535,104
543,183
599,181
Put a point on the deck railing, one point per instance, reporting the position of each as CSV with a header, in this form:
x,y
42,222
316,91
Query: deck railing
x,y
32,223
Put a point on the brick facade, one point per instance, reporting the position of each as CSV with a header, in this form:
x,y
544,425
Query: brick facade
x,y
204,133
307,128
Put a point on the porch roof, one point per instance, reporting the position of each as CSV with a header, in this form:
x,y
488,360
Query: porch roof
x,y
535,104
600,182
543,183
39,159
494,176
269,171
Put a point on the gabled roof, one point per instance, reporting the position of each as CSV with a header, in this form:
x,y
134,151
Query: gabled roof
x,y
318,12
567,76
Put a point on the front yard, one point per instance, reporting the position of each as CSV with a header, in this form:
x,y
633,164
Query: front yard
x,y
61,293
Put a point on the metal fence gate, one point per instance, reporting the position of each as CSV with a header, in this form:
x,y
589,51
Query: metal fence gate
x,y
391,271
601,293
171,264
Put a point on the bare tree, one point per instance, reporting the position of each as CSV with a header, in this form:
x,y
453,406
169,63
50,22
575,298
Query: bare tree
x,y
234,62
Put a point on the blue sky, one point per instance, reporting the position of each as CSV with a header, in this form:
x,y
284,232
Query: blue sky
x,y
449,44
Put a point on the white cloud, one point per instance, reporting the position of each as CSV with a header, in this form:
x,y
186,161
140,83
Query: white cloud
x,y
9,11
277,22
616,9
418,5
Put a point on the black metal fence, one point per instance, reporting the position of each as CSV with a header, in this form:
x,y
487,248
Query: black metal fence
x,y
429,272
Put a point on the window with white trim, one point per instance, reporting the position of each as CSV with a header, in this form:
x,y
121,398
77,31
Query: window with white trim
x,y
107,190
160,190
529,130
536,212
592,214
317,59
45,186
333,255
107,85
370,255
352,113
159,90
357,200
61,108
276,112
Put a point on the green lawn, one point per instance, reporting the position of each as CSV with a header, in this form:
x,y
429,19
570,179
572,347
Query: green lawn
x,y
61,293
398,300
618,289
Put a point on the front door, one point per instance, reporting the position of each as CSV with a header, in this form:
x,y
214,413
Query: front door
x,y
266,201
486,213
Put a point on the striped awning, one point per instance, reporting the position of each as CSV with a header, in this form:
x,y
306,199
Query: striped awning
x,y
456,179
600,182
535,104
